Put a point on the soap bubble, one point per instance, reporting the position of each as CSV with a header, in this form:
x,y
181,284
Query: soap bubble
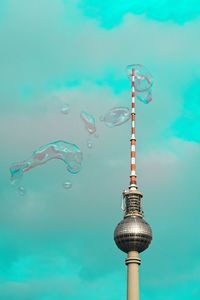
x,y
21,191
101,118
89,122
65,109
16,171
89,144
67,185
143,79
117,116
69,153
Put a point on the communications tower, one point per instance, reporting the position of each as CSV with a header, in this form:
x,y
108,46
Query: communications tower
x,y
133,234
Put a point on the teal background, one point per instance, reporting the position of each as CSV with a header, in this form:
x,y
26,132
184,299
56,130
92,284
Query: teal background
x,y
57,244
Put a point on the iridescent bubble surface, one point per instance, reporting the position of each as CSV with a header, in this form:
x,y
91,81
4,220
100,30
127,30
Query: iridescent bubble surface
x,y
145,96
65,109
67,185
89,122
117,116
69,153
143,78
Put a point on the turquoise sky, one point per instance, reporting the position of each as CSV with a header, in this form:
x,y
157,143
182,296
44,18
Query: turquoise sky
x,y
57,244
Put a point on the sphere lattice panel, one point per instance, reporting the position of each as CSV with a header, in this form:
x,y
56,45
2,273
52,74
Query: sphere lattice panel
x,y
133,234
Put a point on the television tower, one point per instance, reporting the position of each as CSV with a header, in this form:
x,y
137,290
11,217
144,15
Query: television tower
x,y
133,234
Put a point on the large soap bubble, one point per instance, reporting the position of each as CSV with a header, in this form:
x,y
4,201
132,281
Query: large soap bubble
x,y
143,78
89,122
117,116
69,153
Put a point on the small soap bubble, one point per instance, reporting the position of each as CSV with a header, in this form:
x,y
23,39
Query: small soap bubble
x,y
65,109
67,185
21,191
89,144
101,118
15,182
89,122
117,116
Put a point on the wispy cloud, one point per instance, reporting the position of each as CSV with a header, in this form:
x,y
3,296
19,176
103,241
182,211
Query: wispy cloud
x,y
111,13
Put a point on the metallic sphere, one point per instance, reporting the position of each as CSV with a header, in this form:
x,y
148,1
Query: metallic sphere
x,y
133,234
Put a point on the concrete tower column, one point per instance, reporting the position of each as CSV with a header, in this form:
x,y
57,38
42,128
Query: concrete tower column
x,y
133,261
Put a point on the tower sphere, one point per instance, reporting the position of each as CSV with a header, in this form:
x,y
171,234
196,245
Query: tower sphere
x,y
133,234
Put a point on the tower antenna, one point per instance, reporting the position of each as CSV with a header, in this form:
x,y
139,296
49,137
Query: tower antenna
x,y
133,177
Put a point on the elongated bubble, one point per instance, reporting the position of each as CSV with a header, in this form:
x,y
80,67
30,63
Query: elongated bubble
x,y
69,153
117,116
89,122
143,78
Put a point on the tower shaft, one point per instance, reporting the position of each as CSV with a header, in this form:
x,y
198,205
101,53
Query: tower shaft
x,y
133,262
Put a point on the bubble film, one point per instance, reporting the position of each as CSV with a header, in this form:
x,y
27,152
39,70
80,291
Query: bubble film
x,y
117,116
89,122
69,153
145,96
143,78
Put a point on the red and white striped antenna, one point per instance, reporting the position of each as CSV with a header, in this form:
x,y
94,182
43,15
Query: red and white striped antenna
x,y
133,176
141,83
